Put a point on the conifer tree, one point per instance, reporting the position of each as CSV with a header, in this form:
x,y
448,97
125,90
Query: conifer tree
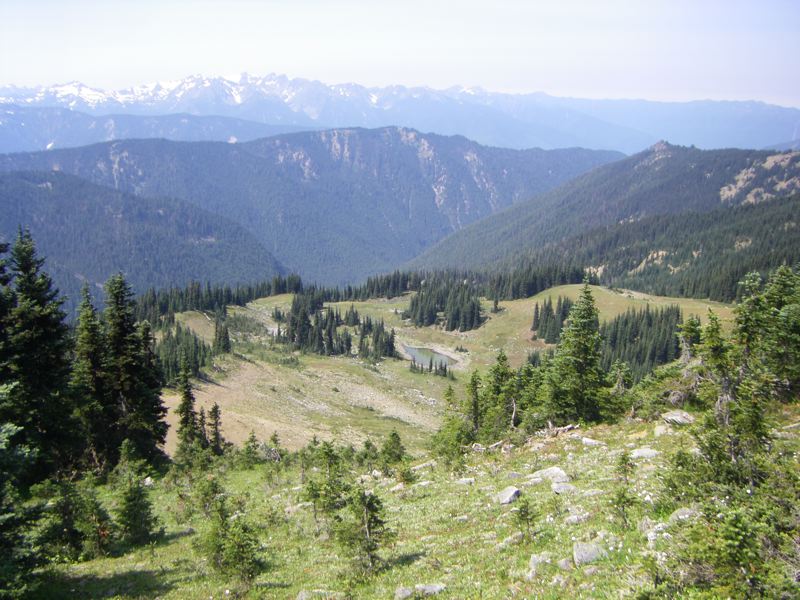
x,y
133,373
222,340
215,439
135,516
365,530
187,416
575,386
96,414
37,345
6,302
393,451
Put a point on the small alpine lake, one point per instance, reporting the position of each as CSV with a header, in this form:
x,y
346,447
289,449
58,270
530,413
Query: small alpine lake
x,y
423,356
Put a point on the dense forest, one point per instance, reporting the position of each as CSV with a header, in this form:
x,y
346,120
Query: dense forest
x,y
697,255
89,232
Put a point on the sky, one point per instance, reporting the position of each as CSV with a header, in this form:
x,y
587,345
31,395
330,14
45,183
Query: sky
x,y
651,49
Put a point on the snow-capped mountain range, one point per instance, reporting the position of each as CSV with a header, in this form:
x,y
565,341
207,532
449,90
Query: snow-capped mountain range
x,y
510,120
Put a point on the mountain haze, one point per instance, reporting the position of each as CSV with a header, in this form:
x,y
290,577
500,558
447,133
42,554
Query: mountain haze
x,y
507,120
89,232
28,129
334,206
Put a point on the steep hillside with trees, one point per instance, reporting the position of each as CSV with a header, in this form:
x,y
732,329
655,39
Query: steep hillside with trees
x,y
89,232
664,180
335,206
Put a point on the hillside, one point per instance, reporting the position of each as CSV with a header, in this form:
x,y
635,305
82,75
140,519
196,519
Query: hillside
x,y
664,180
698,255
28,129
334,206
498,119
543,514
266,388
89,232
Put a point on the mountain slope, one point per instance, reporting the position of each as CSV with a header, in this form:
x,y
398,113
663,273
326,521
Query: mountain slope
x,y
508,120
665,179
334,206
88,232
696,255
28,129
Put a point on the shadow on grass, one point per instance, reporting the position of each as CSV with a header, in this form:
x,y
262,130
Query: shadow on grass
x,y
403,560
55,585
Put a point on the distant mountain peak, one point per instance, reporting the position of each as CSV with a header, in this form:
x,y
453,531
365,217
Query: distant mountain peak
x,y
496,119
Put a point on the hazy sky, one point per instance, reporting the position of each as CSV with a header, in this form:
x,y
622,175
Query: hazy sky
x,y
655,49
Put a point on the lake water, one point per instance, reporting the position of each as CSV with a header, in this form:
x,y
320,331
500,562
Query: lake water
x,y
422,356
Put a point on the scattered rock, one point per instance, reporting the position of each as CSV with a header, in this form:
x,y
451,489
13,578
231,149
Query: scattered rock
x,y
421,484
677,398
682,514
591,571
148,482
565,564
593,492
538,559
476,447
508,495
660,430
398,488
426,465
430,589
376,474
496,445
584,553
563,488
513,475
465,481
677,417
554,474
402,593
644,453
646,525
531,481
590,442
510,541
507,448
575,519
462,518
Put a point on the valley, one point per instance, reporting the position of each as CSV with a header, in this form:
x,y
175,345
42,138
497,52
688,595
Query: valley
x,y
265,387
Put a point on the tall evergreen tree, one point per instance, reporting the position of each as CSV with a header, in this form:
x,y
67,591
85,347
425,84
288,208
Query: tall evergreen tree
x,y
215,439
38,343
6,302
187,416
222,340
133,373
88,386
575,386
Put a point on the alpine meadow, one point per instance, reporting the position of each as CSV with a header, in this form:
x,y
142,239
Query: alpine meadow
x,y
515,316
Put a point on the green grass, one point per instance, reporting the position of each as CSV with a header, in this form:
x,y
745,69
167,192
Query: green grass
x,y
446,533
432,545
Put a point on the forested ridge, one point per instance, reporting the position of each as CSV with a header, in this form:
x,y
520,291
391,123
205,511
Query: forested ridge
x,y
89,232
394,191
664,181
